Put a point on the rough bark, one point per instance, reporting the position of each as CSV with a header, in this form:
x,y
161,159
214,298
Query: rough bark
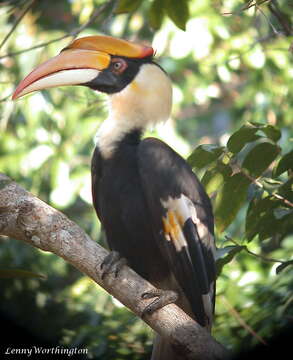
x,y
27,218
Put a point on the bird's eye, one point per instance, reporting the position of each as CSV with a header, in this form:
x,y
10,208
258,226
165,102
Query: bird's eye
x,y
118,65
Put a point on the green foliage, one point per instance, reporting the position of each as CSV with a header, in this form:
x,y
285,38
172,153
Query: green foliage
x,y
246,170
285,164
177,11
232,81
156,14
204,155
226,255
230,199
126,6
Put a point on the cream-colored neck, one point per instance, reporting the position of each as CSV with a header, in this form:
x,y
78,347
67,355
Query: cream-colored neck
x,y
146,101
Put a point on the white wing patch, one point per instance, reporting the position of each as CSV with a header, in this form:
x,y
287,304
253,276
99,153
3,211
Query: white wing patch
x,y
177,213
180,209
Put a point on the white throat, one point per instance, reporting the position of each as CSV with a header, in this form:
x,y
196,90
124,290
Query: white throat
x,y
146,101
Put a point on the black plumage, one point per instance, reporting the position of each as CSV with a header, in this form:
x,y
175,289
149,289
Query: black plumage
x,y
129,190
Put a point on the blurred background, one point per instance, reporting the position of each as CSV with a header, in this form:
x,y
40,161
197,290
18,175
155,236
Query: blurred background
x,y
230,63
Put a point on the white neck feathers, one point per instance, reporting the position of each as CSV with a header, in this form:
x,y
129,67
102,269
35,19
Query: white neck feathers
x,y
146,101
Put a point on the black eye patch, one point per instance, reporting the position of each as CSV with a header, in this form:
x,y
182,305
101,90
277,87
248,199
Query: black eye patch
x,y
110,81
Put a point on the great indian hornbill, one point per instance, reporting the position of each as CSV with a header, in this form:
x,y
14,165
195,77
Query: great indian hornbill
x,y
155,212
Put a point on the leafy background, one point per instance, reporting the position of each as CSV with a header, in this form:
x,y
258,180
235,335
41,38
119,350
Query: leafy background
x,y
231,65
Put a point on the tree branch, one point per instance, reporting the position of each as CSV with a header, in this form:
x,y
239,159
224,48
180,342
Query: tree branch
x,y
73,34
282,19
27,218
17,21
242,322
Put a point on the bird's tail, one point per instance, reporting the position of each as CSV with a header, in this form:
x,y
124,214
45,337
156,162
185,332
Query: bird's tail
x,y
162,350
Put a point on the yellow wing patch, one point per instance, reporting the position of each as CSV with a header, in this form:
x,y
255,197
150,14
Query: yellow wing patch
x,y
172,224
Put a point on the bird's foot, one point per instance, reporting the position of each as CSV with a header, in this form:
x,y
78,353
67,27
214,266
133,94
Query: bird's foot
x,y
163,298
112,264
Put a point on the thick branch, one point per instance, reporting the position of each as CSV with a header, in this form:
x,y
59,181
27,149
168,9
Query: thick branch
x,y
25,217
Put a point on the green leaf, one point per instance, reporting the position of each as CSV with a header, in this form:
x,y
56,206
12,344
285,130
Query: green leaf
x,y
271,132
156,14
230,199
285,222
285,164
268,217
249,132
283,266
226,255
178,11
259,216
15,273
214,178
203,155
270,185
246,134
127,6
260,157
286,190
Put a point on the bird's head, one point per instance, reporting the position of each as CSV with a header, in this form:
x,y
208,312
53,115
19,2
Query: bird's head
x,y
139,90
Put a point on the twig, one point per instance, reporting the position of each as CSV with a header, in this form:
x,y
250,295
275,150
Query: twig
x,y
275,31
24,12
249,5
264,258
237,168
26,218
93,17
72,34
246,7
274,9
15,53
241,321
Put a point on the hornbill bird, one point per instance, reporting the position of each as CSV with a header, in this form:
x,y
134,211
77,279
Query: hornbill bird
x,y
154,210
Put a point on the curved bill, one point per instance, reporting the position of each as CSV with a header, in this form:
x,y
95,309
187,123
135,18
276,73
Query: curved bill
x,y
112,46
70,67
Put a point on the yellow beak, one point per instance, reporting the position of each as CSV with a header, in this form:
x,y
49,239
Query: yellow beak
x,y
79,63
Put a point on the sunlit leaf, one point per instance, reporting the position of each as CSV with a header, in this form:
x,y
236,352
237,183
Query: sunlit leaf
x,y
286,190
260,157
251,132
156,14
214,178
285,164
230,199
241,137
285,222
270,185
226,255
126,6
272,132
258,213
203,155
178,11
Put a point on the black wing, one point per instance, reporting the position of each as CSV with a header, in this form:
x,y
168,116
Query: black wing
x,y
96,176
182,221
